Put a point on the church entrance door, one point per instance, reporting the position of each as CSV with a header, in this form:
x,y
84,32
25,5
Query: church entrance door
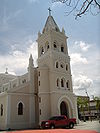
x,y
64,109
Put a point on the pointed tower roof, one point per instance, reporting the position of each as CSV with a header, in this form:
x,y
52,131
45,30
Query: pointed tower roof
x,y
50,23
31,60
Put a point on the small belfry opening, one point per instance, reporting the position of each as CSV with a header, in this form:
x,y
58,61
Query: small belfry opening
x,y
55,45
1,109
64,109
62,48
58,82
62,82
20,108
42,50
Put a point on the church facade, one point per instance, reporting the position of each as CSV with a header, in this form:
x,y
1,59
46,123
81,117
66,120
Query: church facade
x,y
44,91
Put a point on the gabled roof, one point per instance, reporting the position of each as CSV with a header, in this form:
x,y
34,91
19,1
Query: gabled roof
x,y
50,25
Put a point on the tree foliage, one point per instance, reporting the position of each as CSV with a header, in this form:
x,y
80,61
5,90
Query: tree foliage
x,y
97,100
82,104
81,7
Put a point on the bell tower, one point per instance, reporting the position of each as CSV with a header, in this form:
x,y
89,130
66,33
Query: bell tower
x,y
52,43
54,79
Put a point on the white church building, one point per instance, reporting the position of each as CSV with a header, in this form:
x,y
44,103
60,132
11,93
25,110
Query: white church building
x,y
44,91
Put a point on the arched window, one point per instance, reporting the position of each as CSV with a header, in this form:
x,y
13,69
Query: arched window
x,y
67,84
62,65
56,64
39,83
54,44
1,109
39,73
40,111
66,67
20,108
24,81
57,82
47,46
62,82
42,51
56,29
62,48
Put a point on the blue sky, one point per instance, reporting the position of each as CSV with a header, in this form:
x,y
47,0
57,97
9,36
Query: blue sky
x,y
20,22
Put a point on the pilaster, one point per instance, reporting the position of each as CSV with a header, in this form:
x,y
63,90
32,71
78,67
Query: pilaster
x,y
8,111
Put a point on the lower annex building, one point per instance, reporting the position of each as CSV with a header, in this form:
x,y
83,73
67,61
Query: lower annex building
x,y
44,91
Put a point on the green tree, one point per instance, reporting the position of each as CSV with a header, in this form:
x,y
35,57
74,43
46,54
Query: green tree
x,y
83,104
97,100
81,7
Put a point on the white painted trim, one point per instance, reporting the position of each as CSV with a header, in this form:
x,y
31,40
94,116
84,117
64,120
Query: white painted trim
x,y
3,94
8,110
67,98
68,101
60,72
58,92
22,103
15,93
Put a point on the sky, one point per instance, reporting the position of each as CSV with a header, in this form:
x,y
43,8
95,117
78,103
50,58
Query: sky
x,y
20,22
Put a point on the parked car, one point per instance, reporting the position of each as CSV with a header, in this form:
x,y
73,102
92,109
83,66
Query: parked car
x,y
58,122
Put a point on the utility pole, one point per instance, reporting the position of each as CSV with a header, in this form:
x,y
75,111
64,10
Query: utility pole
x,y
88,104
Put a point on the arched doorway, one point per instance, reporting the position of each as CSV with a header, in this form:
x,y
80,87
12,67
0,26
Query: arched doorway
x,y
64,109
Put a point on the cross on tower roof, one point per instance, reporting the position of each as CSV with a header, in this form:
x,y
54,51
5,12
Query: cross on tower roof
x,y
49,11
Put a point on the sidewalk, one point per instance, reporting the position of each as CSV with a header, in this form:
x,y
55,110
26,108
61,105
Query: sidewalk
x,y
89,125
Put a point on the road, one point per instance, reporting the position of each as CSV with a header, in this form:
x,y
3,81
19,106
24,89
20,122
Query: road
x,y
88,125
82,127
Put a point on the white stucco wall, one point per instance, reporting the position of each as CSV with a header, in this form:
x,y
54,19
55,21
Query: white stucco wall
x,y
3,118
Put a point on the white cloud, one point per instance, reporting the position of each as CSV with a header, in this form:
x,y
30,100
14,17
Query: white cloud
x,y
85,67
84,46
82,82
33,49
77,58
18,61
